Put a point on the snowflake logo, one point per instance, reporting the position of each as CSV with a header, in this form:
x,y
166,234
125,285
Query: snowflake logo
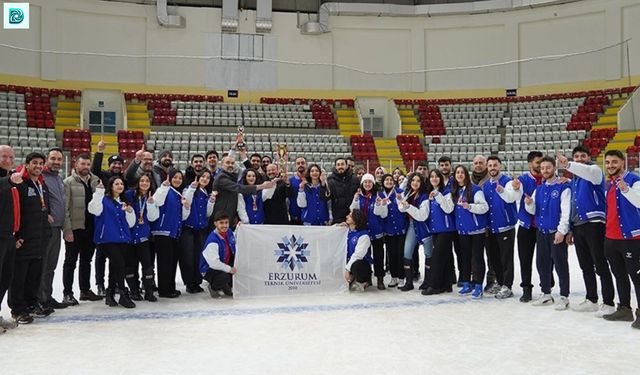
x,y
292,252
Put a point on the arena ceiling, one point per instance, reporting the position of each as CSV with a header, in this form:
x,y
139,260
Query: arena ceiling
x,y
307,6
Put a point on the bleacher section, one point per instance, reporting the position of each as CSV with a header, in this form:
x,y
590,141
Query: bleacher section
x,y
317,148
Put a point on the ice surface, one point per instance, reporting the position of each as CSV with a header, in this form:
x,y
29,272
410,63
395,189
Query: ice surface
x,y
376,332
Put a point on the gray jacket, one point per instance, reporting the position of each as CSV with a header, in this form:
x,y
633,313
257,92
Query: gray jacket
x,y
75,203
56,196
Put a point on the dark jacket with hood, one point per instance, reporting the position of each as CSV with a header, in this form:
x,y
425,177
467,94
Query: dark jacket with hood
x,y
9,205
228,188
34,226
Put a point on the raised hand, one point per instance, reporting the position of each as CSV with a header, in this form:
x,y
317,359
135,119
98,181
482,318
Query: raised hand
x,y
139,153
323,177
16,178
167,182
433,194
185,203
194,184
357,194
378,201
213,196
499,188
528,199
516,184
562,160
101,145
622,185
464,205
303,184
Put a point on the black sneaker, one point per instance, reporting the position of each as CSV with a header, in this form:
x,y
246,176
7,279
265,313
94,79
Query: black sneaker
x,y
172,294
622,314
56,305
40,311
70,300
227,291
24,318
125,301
135,295
89,295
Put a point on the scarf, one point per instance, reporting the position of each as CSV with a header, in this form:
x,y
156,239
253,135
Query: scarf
x,y
476,177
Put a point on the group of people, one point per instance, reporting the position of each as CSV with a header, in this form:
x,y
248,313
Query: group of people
x,y
150,218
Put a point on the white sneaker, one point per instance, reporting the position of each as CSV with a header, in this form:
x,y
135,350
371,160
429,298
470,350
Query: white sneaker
x,y
8,324
562,304
543,300
586,306
605,310
358,287
393,283
401,283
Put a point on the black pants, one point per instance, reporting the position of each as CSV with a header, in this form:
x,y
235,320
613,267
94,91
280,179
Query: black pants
x,y
492,262
23,292
138,254
526,249
472,251
550,255
624,258
378,256
116,253
442,260
191,246
361,271
49,264
416,259
218,279
501,245
589,241
395,249
457,250
7,264
101,261
82,246
167,252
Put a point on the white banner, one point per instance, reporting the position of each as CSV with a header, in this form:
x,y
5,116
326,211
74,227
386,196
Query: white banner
x,y
280,260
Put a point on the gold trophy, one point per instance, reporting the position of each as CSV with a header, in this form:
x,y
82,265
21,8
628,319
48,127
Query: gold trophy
x,y
282,158
240,145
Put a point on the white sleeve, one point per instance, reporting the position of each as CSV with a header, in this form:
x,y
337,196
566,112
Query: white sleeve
x,y
589,172
301,199
210,254
131,218
95,205
479,205
512,193
531,208
633,194
565,211
419,214
161,195
508,195
210,206
185,212
242,210
403,185
355,204
188,194
445,202
268,193
361,250
381,210
153,213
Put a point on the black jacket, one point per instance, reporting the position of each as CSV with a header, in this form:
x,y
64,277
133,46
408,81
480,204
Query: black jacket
x,y
275,208
342,187
228,188
96,168
34,226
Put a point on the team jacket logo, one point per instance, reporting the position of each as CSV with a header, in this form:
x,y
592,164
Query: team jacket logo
x,y
292,252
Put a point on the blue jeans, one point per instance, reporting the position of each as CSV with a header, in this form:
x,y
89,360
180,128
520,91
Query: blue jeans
x,y
411,241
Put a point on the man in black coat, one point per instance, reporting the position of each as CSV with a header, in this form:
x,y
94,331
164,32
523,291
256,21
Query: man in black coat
x,y
115,162
227,189
31,239
275,205
9,224
343,186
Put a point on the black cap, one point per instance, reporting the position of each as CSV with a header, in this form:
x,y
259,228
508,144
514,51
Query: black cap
x,y
114,158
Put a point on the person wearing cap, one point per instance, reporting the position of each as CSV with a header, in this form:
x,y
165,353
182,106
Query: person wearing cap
x,y
115,162
366,200
161,166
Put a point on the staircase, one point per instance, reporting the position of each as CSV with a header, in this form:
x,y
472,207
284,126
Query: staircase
x,y
138,118
409,122
348,123
388,153
67,116
622,140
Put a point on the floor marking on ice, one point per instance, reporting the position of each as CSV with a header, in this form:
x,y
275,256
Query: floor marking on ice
x,y
254,311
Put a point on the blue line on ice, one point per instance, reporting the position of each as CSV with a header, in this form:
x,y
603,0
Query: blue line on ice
x,y
218,312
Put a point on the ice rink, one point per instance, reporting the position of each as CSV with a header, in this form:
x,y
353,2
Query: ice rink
x,y
376,332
